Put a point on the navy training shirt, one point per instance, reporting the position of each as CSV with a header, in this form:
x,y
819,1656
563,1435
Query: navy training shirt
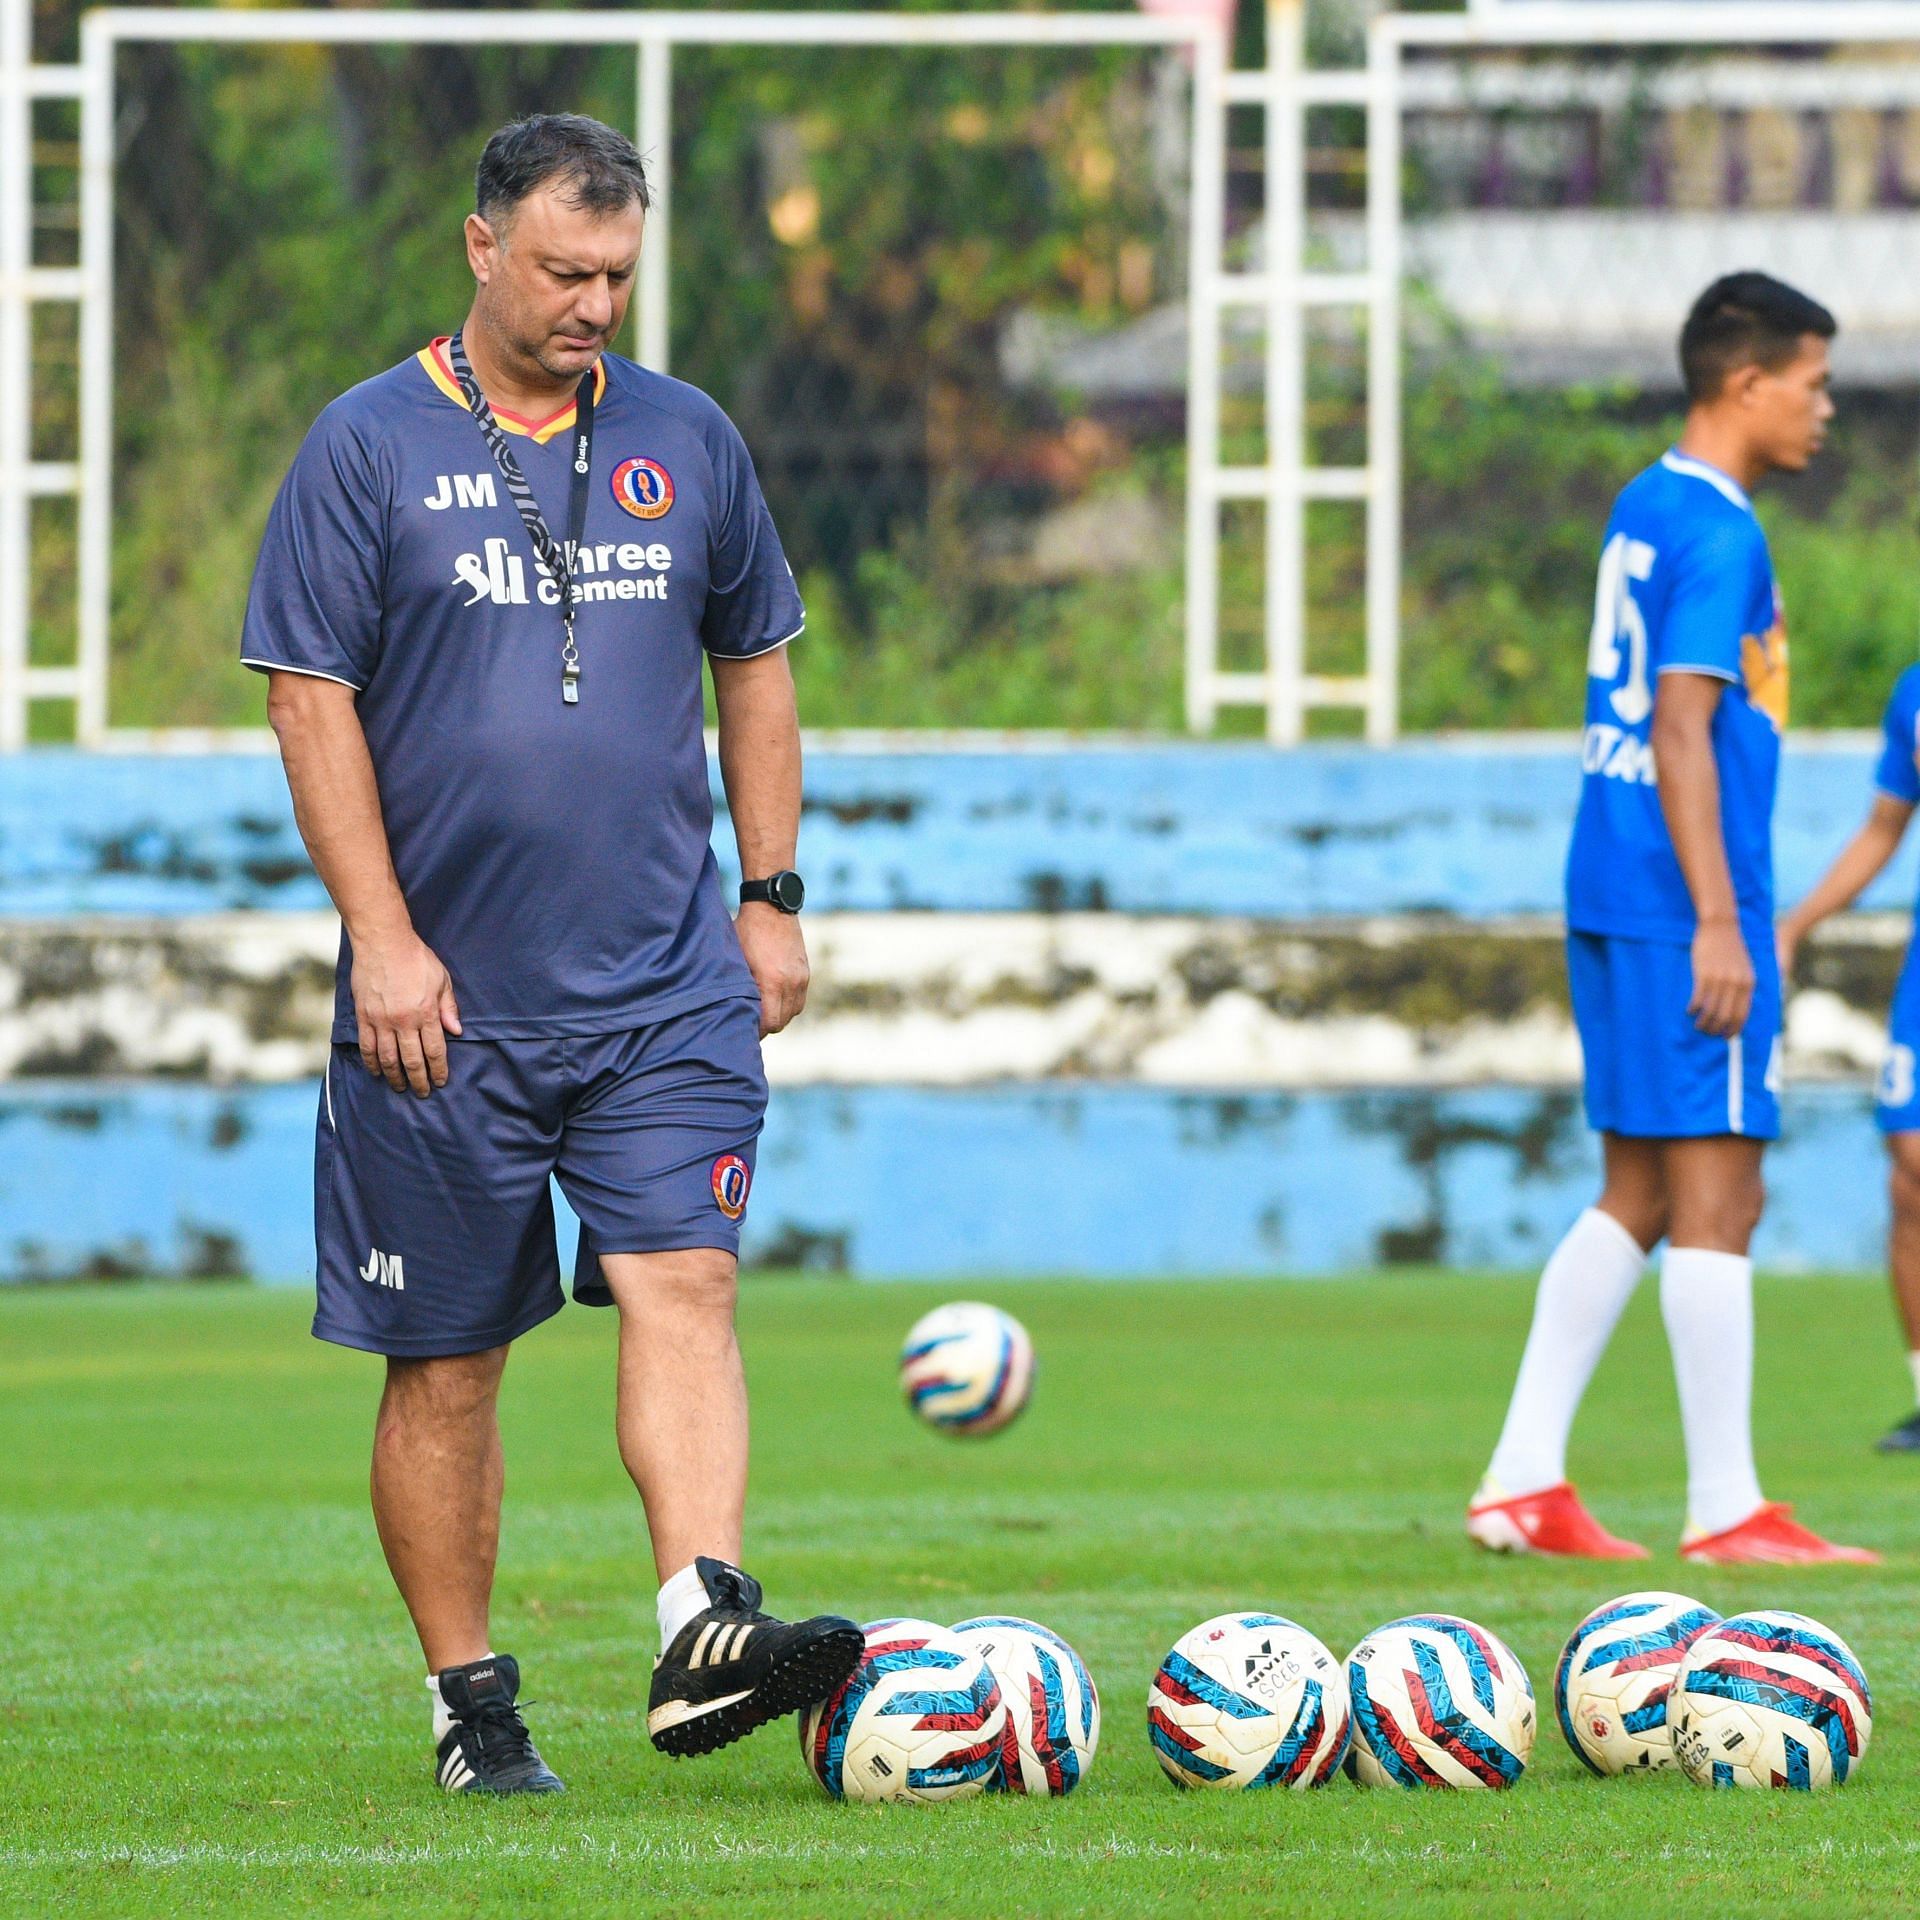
x,y
557,858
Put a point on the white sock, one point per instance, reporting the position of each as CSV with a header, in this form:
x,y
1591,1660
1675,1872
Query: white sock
x,y
1584,1288
1913,1362
1707,1301
442,1713
680,1599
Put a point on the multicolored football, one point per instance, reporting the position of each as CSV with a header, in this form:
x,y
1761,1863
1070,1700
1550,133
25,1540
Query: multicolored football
x,y
1770,1699
1610,1688
1053,1707
920,1718
1438,1702
1248,1700
967,1368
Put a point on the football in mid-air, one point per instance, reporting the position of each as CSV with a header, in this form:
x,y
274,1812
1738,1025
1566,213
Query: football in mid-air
x,y
920,1718
1611,1686
967,1368
1770,1700
1053,1708
1248,1700
1438,1702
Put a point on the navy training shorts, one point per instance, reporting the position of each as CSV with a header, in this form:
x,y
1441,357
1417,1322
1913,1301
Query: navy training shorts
x,y
1650,1072
433,1219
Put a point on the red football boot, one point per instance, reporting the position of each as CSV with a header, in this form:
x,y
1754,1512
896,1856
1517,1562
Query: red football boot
x,y
1769,1537
1552,1521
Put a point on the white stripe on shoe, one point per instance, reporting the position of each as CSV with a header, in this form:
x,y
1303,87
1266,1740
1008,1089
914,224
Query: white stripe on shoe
x,y
675,1712
699,1658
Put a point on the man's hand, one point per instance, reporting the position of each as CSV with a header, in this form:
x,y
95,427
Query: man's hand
x,y
404,1002
776,953
1787,936
1722,978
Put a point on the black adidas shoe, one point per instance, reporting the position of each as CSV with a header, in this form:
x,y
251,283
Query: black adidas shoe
x,y
733,1668
1905,1438
488,1748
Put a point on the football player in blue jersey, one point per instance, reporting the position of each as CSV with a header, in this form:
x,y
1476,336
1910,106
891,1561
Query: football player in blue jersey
x,y
1897,1106
487,595
1670,942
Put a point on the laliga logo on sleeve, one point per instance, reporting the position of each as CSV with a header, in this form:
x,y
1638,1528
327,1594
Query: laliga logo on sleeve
x,y
731,1179
643,487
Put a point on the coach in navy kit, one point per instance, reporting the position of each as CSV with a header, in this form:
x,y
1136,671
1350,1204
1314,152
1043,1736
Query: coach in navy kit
x,y
484,598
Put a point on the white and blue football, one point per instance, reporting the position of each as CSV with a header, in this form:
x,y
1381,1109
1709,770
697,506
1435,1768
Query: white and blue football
x,y
920,1718
1438,1702
1770,1699
1611,1686
967,1368
1053,1707
1248,1700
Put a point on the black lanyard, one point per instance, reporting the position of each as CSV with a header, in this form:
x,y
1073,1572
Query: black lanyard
x,y
557,561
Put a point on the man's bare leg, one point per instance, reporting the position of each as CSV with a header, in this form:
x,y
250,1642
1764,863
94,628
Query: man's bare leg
x,y
1635,1188
682,1410
1903,1263
726,1667
1715,1193
437,1480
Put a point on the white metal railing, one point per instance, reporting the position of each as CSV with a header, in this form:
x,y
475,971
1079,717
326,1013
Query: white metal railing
x,y
1283,292
653,36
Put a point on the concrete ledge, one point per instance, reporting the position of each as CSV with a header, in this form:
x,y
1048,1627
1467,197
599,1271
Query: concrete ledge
x,y
955,999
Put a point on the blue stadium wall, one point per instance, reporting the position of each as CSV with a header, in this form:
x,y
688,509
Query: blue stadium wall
x,y
1109,1009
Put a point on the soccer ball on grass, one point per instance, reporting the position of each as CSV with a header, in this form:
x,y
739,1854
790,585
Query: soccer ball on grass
x,y
1438,1702
967,1368
1053,1707
1770,1700
1611,1686
920,1718
1248,1700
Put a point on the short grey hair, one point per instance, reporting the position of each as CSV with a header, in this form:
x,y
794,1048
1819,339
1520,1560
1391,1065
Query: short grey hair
x,y
602,171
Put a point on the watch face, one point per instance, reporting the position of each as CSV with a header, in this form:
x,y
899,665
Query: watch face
x,y
789,892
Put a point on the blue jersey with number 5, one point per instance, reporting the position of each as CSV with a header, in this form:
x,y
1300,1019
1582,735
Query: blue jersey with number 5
x,y
1685,586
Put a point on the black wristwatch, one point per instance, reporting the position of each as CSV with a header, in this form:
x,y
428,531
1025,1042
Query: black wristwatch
x,y
785,891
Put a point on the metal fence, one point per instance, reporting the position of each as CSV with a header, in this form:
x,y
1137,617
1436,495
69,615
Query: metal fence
x,y
884,242
1095,384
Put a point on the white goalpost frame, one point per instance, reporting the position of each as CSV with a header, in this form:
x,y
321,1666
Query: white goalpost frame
x,y
1284,291
652,35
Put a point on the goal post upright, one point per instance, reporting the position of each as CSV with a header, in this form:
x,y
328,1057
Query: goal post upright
x,y
25,285
654,124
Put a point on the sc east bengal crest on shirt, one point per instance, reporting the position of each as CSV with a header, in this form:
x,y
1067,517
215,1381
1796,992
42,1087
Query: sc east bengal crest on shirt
x,y
644,487
1763,666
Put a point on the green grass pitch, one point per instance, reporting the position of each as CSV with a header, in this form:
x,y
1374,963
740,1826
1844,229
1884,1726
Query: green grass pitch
x,y
210,1702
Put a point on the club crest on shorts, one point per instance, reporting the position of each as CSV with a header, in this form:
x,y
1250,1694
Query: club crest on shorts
x,y
643,487
731,1180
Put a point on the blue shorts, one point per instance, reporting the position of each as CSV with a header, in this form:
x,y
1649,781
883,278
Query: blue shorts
x,y
1651,1073
433,1218
1897,1100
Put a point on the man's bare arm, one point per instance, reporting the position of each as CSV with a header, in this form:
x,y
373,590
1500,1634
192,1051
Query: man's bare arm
x,y
402,996
760,766
1854,869
1683,711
